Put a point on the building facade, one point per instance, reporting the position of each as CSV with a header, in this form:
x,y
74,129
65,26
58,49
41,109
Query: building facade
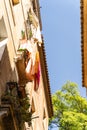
x,y
25,98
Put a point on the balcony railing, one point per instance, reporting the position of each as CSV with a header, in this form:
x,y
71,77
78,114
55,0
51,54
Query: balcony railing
x,y
16,98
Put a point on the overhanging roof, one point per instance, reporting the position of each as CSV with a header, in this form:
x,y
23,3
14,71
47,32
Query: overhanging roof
x,y
45,77
84,41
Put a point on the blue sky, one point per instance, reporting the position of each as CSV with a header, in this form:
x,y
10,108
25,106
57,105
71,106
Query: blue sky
x,y
61,30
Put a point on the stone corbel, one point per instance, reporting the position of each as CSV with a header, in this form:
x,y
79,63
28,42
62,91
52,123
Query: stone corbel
x,y
15,2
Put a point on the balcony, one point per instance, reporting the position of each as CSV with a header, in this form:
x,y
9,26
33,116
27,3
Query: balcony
x,y
19,107
24,67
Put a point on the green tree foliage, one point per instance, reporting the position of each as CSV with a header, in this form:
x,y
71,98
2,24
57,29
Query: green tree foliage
x,y
70,109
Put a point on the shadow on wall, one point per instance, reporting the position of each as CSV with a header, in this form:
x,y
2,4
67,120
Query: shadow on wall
x,y
6,72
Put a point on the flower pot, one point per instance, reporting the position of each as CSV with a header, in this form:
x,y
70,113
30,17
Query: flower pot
x,y
23,41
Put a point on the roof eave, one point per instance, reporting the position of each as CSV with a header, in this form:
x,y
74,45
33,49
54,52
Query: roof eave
x,y
45,77
84,41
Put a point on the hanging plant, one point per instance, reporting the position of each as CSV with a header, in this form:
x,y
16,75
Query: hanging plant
x,y
23,113
23,34
30,33
20,108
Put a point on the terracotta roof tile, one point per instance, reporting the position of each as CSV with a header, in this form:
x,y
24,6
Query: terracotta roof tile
x,y
83,11
45,77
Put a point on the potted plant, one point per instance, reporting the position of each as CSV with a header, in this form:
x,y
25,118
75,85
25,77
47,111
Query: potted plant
x,y
20,107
